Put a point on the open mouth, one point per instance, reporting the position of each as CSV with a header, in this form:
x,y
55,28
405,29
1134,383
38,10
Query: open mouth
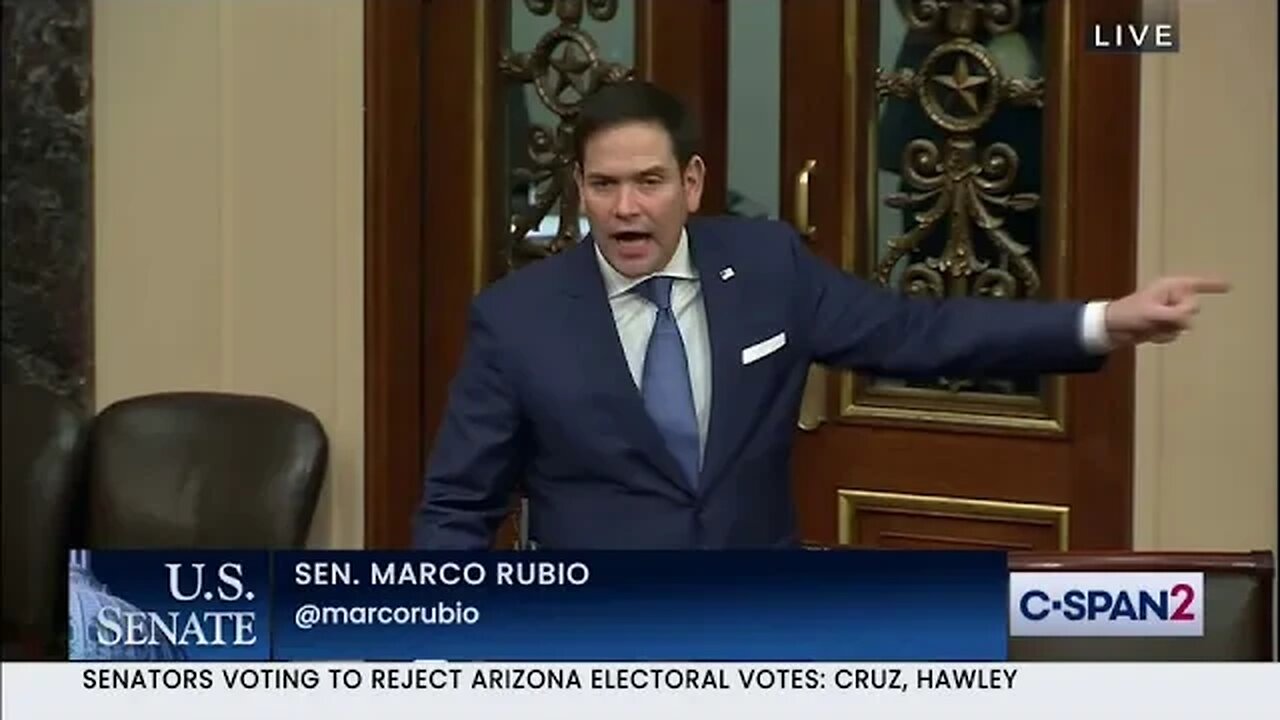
x,y
632,236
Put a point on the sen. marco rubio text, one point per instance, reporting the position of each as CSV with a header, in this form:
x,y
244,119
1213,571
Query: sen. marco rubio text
x,y
1095,604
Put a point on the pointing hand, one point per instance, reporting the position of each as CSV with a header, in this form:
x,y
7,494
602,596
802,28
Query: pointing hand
x,y
1159,312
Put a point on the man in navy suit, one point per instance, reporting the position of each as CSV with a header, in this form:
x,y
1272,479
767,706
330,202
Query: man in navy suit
x,y
643,386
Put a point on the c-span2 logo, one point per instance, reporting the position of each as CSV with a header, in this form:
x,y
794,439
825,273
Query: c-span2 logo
x,y
1100,604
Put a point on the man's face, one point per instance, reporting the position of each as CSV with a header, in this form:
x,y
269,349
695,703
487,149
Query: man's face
x,y
636,195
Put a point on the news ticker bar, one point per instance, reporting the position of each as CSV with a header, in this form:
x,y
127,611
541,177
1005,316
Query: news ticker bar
x,y
639,690
599,606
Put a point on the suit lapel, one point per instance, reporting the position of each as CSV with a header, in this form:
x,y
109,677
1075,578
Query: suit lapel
x,y
604,365
724,301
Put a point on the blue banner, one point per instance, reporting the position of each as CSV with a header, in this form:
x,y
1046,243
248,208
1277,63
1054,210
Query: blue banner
x,y
541,606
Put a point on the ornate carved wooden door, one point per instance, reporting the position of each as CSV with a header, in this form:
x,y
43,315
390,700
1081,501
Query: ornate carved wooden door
x,y
964,148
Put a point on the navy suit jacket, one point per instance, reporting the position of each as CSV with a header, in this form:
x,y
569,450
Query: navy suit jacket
x,y
544,398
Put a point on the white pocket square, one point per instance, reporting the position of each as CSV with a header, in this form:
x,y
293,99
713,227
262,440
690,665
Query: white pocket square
x,y
753,353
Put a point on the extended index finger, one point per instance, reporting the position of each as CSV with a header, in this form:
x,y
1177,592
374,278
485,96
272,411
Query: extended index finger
x,y
1206,286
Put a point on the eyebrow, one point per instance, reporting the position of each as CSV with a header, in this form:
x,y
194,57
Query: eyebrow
x,y
652,170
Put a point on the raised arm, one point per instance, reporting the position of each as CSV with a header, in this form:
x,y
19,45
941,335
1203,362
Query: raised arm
x,y
856,325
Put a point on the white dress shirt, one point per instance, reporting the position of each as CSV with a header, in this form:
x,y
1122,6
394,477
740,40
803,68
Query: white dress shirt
x,y
634,317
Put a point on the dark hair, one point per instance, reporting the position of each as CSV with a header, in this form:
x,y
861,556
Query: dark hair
x,y
636,101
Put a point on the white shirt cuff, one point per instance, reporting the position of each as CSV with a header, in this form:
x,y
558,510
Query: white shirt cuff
x,y
1093,328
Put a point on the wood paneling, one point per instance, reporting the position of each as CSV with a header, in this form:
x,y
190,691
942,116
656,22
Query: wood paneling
x,y
395,250
871,519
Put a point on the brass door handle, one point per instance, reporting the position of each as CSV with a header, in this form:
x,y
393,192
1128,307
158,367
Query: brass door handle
x,y
813,404
814,401
802,200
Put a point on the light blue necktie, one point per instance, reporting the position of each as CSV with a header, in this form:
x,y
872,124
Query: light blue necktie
x,y
665,384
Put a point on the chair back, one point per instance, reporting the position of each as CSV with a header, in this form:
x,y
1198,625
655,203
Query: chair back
x,y
44,443
204,470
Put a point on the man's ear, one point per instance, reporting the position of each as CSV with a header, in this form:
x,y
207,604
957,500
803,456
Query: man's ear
x,y
694,177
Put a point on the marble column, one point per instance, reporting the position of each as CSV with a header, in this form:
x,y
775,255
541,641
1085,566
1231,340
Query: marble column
x,y
47,265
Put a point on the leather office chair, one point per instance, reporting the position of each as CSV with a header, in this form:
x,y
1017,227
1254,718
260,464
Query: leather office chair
x,y
204,470
44,439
